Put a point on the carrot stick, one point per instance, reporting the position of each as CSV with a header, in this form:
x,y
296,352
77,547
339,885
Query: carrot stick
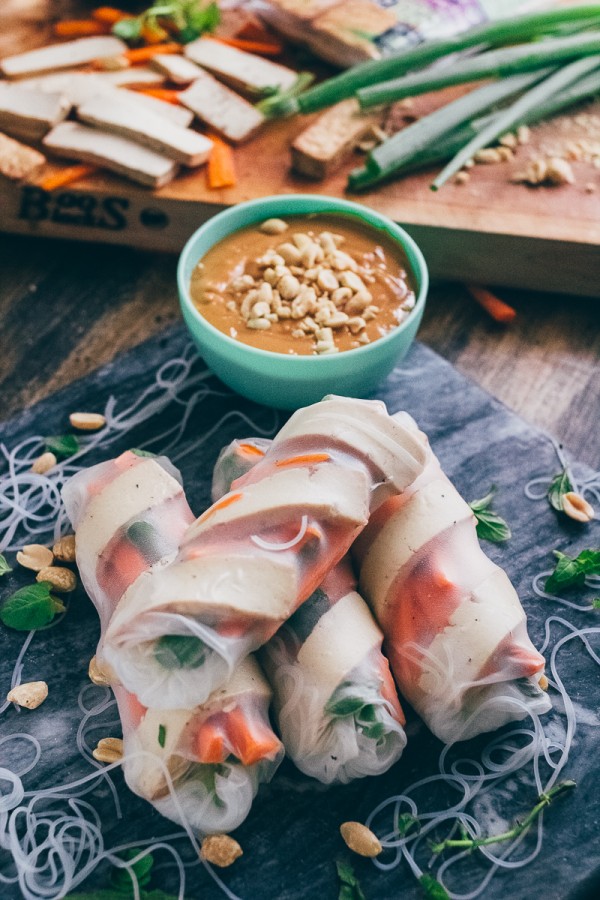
x,y
261,48
67,176
220,171
222,504
140,55
305,459
210,743
250,741
251,450
164,94
109,15
497,308
79,28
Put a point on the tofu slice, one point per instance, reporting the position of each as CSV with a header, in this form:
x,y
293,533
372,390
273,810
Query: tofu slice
x,y
16,160
118,154
176,68
225,111
123,117
67,55
241,70
326,144
80,86
30,114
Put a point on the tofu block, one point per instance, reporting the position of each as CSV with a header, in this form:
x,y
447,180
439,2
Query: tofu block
x,y
30,114
66,55
225,111
16,160
125,118
80,86
241,70
326,144
75,141
176,68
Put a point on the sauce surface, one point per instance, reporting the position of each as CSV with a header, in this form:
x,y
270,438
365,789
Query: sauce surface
x,y
304,285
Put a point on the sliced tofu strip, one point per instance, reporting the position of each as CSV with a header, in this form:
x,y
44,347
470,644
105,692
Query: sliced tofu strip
x,y
225,111
61,56
125,118
326,144
120,155
176,68
16,160
177,114
77,87
241,70
325,492
30,114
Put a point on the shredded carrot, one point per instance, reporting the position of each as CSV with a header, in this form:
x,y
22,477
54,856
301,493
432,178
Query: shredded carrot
x,y
221,504
66,176
250,741
164,94
210,742
141,55
494,306
305,459
79,28
220,170
251,450
109,15
261,48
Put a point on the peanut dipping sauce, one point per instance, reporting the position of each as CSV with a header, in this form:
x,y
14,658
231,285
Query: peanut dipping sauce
x,y
308,285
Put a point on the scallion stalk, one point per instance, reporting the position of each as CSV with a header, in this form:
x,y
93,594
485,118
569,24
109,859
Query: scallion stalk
x,y
493,64
515,113
504,31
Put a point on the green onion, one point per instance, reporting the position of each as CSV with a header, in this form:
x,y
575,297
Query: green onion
x,y
274,102
495,63
513,31
514,115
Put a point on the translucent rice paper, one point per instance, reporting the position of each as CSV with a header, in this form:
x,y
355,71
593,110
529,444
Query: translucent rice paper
x,y
335,701
253,557
455,630
202,766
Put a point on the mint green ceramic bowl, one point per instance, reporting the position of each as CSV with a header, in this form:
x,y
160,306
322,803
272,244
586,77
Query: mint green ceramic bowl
x,y
289,382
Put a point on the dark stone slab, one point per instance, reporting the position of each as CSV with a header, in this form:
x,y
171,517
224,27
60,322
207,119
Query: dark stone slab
x,y
291,836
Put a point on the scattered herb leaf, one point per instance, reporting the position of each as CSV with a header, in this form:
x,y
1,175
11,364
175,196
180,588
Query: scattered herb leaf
x,y
571,572
31,607
62,445
122,881
350,888
180,651
347,706
139,452
433,888
4,566
162,735
490,526
405,822
596,602
185,20
559,486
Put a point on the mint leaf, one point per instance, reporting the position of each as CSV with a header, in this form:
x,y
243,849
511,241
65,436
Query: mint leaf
x,y
571,572
559,486
596,602
31,607
139,452
490,526
350,888
348,706
62,445
405,822
162,735
432,888
4,566
179,651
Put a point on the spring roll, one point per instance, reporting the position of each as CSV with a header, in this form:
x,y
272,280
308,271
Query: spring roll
x,y
254,556
334,697
455,630
216,755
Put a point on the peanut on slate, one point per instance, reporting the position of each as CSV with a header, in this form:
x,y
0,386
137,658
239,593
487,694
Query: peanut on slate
x,y
360,839
44,463
87,421
30,695
63,580
35,557
64,549
220,850
576,507
109,750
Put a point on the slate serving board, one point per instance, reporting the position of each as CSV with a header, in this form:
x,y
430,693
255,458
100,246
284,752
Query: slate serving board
x,y
291,837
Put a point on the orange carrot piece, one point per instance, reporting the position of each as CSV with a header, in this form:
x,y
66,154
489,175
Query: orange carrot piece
x,y
221,504
251,450
304,459
136,709
109,15
80,28
210,742
140,55
261,48
250,741
220,170
127,562
153,33
66,176
494,306
164,94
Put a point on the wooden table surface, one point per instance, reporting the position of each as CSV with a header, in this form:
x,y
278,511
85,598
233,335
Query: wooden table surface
x,y
66,308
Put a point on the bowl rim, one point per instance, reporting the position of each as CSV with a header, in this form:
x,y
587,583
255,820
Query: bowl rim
x,y
270,204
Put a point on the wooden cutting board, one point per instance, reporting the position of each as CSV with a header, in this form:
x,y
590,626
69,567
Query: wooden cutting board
x,y
487,230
